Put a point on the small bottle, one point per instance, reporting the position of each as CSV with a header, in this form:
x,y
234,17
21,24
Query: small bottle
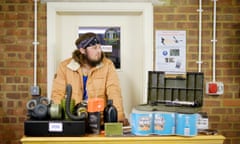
x,y
110,112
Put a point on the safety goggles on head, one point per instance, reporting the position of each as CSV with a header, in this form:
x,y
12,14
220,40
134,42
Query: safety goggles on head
x,y
88,42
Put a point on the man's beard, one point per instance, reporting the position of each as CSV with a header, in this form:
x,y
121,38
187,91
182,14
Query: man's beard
x,y
93,63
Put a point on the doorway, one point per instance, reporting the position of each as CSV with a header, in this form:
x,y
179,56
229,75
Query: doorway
x,y
136,23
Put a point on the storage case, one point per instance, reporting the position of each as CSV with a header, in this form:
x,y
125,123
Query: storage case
x,y
54,128
174,93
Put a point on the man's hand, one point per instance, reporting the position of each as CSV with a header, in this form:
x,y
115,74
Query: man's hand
x,y
124,122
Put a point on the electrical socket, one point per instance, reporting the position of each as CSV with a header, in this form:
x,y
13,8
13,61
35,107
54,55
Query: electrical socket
x,y
214,88
35,91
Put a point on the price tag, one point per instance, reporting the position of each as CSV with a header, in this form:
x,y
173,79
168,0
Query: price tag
x,y
55,127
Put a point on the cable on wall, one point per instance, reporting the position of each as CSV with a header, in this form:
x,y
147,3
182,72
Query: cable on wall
x,y
35,90
214,40
213,87
199,62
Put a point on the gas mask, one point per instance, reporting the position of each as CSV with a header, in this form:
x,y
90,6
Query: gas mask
x,y
38,108
41,108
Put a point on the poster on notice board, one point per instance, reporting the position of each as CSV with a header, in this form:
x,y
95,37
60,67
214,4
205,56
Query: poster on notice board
x,y
170,54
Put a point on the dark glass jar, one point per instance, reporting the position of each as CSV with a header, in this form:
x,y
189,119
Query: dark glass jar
x,y
110,112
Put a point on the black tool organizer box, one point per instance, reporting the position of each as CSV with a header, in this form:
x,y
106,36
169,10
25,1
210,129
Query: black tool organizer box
x,y
174,93
42,128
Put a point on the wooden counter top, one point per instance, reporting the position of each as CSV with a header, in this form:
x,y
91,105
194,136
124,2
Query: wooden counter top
x,y
200,139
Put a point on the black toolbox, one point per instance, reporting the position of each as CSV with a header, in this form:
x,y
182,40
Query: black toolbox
x,y
54,128
174,92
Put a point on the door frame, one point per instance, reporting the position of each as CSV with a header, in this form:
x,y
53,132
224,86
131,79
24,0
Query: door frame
x,y
144,9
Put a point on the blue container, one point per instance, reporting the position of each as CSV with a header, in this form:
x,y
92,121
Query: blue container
x,y
141,123
164,123
186,124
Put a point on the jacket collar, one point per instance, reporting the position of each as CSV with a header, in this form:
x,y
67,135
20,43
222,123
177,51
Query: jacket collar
x,y
74,66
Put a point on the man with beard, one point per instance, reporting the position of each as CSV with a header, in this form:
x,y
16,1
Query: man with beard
x,y
91,75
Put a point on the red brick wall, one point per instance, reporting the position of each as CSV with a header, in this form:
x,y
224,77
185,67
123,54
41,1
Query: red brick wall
x,y
16,59
223,110
16,64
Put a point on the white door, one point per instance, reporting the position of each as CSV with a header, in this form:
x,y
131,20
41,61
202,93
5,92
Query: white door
x,y
132,73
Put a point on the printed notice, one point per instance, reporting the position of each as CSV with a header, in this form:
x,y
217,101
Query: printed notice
x,y
170,51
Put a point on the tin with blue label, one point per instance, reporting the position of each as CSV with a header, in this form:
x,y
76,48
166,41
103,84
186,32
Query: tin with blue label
x,y
164,123
186,124
141,123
